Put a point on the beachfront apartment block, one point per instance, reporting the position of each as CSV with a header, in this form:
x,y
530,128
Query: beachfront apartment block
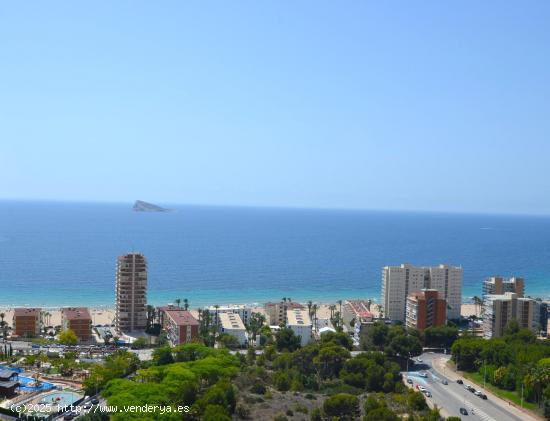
x,y
497,285
276,313
398,282
357,317
79,320
231,324
500,309
131,293
180,325
26,322
242,310
425,309
298,320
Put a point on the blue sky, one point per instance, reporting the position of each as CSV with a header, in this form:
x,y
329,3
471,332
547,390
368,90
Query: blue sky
x,y
424,105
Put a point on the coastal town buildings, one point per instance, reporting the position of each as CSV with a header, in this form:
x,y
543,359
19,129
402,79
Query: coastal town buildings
x,y
400,281
357,317
26,322
500,309
231,324
79,320
425,309
497,285
298,320
242,310
131,293
276,313
180,325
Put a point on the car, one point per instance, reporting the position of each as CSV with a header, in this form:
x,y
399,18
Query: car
x,y
70,416
422,388
459,381
463,411
87,406
95,401
471,389
422,374
419,359
483,396
409,381
478,393
428,394
445,382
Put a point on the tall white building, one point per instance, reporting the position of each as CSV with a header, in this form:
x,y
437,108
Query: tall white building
x,y
400,281
299,321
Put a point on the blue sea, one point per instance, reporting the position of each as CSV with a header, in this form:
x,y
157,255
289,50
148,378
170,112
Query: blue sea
x,y
54,254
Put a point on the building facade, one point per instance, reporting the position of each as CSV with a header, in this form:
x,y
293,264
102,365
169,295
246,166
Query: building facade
x,y
243,311
500,309
400,281
276,313
425,309
180,325
131,293
79,320
26,322
497,285
231,324
298,320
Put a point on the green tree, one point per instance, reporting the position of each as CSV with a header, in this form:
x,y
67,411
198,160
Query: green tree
x,y
286,340
381,414
342,406
68,337
330,360
163,356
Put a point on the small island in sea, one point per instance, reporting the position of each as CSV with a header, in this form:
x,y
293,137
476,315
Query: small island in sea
x,y
141,206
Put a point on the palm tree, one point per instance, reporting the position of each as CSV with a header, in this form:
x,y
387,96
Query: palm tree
x,y
185,304
309,305
478,302
314,309
216,306
178,302
332,307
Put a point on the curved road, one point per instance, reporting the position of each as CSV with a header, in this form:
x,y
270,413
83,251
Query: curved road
x,y
453,396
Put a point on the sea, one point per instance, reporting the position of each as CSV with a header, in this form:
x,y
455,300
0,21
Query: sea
x,y
58,254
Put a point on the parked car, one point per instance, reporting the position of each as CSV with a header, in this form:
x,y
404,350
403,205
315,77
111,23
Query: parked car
x,y
463,411
422,388
483,396
478,393
95,401
428,394
445,382
409,381
422,374
459,381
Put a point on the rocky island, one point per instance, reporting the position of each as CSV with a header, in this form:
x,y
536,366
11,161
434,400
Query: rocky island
x,y
141,206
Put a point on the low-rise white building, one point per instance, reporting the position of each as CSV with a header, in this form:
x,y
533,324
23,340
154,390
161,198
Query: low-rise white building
x,y
232,324
243,311
299,321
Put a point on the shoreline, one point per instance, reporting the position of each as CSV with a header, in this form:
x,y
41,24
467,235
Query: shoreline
x,y
106,315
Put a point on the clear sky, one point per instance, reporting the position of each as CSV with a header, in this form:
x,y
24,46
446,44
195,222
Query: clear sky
x,y
419,105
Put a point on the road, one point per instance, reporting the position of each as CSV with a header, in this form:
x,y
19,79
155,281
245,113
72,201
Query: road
x,y
453,396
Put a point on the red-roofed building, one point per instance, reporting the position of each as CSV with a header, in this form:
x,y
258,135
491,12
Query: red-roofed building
x,y
425,308
79,320
180,325
26,322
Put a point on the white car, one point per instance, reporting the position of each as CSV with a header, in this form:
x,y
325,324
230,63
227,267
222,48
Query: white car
x,y
422,389
419,359
422,374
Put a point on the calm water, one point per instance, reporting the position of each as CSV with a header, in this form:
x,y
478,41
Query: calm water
x,y
64,253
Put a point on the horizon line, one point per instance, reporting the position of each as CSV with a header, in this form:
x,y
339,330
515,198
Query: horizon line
x,y
281,207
